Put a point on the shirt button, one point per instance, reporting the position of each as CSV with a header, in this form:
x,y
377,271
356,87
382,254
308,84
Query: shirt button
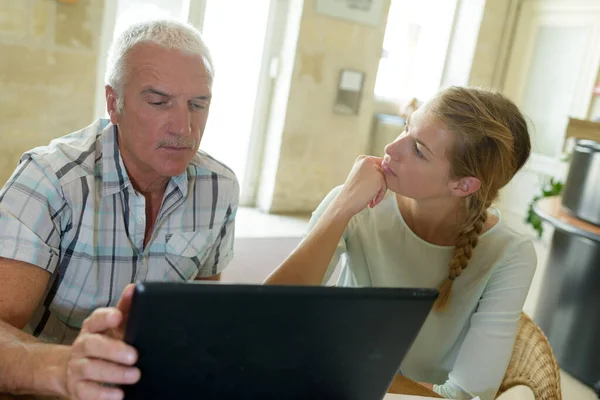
x,y
140,220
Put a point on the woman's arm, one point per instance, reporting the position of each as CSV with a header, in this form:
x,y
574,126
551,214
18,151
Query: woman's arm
x,y
308,263
486,350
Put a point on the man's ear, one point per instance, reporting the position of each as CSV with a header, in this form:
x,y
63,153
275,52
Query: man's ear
x,y
465,186
111,104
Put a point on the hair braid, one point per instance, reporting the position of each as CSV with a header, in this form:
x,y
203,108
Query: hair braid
x,y
465,243
491,144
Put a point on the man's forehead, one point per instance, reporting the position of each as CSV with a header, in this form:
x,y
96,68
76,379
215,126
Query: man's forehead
x,y
169,76
150,57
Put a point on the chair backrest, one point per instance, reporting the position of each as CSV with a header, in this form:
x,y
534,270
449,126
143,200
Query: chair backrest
x,y
532,363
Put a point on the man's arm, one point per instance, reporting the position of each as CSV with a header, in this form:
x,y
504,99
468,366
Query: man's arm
x,y
26,365
32,209
22,286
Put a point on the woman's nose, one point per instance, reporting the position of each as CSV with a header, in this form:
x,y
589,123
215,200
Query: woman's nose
x,y
393,149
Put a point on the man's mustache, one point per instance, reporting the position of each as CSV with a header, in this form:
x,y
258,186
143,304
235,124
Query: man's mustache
x,y
179,143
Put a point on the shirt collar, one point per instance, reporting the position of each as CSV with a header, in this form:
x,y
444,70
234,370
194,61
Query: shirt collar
x,y
114,174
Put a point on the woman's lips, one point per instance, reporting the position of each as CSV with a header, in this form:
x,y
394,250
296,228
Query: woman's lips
x,y
386,168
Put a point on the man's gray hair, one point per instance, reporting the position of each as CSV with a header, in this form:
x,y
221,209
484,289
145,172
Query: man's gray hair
x,y
169,34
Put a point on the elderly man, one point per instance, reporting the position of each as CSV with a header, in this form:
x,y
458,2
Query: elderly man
x,y
122,200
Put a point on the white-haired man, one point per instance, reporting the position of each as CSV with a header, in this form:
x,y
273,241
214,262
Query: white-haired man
x,y
122,200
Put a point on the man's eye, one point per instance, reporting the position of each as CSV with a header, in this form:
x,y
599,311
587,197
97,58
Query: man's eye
x,y
198,106
157,103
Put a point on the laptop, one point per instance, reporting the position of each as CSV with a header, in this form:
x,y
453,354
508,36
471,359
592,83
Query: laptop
x,y
229,341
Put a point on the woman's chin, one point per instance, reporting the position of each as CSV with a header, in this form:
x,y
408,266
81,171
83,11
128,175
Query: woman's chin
x,y
391,183
396,189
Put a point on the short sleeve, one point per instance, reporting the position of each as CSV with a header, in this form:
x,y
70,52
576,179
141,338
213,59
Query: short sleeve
x,y
31,208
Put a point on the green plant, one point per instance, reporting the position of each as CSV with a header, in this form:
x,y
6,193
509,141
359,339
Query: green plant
x,y
553,188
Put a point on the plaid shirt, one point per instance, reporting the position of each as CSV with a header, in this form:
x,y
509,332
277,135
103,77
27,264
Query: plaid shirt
x,y
71,209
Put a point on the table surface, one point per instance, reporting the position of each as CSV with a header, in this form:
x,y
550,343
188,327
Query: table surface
x,y
551,210
401,385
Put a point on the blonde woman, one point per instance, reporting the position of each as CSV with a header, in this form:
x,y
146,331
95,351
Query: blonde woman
x,y
421,217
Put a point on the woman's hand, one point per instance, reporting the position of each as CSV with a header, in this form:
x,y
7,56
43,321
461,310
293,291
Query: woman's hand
x,y
365,185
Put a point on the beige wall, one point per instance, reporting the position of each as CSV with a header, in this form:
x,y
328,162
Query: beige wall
x,y
47,72
319,147
494,39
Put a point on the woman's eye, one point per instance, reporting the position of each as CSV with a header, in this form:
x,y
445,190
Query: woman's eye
x,y
417,151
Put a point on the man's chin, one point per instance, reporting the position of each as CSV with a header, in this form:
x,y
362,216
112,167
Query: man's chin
x,y
173,170
174,166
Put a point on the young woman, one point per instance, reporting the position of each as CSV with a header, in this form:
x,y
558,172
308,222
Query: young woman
x,y
422,217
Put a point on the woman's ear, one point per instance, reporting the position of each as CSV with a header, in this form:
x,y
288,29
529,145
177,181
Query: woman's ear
x,y
465,186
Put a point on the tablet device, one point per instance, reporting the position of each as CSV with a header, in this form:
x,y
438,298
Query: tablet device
x,y
223,341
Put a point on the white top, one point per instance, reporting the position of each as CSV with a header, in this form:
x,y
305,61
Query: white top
x,y
464,350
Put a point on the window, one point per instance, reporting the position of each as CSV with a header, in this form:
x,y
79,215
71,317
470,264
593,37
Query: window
x,y
133,11
414,48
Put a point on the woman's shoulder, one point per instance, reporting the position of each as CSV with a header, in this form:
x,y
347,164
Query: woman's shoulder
x,y
506,245
500,229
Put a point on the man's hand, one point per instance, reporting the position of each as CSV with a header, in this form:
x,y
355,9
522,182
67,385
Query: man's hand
x,y
99,355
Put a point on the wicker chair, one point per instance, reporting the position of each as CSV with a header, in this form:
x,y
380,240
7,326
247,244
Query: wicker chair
x,y
532,363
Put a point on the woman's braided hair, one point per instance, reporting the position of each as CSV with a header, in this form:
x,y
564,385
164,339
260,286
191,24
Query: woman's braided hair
x,y
491,143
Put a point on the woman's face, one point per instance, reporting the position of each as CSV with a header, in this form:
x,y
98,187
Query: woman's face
x,y
416,164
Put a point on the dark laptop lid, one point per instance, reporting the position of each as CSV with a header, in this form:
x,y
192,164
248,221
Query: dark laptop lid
x,y
218,341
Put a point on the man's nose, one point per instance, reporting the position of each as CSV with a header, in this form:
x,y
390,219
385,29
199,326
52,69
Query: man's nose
x,y
181,120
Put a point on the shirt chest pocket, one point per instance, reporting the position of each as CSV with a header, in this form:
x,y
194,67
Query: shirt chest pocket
x,y
186,252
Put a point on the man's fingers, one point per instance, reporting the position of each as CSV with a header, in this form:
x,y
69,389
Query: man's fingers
x,y
105,348
101,320
125,302
89,369
86,390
